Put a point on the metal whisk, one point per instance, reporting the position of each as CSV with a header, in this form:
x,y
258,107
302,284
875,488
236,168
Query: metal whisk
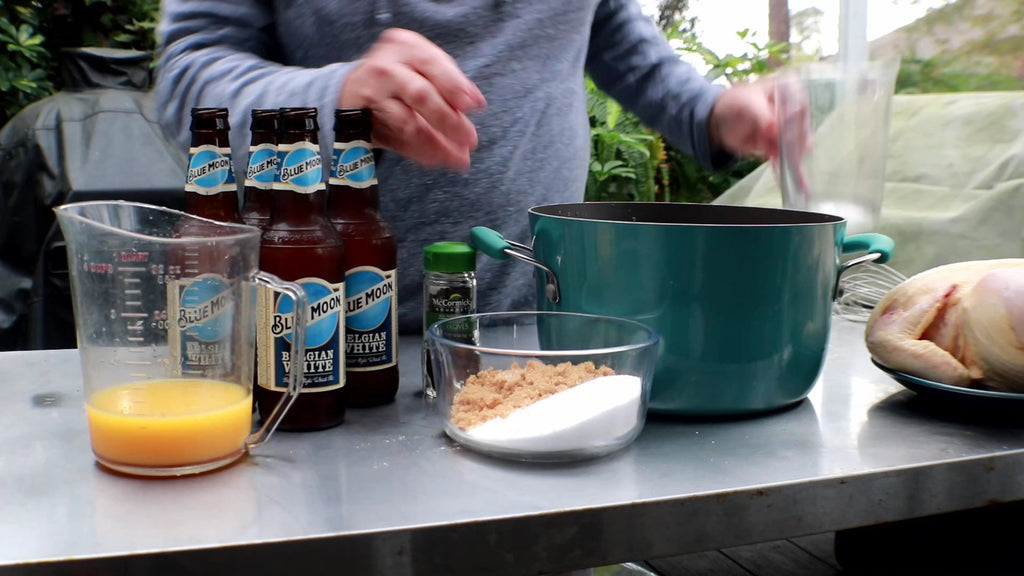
x,y
862,287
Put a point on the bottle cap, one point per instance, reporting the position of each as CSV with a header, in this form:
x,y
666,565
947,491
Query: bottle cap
x,y
297,119
209,119
449,257
263,119
356,118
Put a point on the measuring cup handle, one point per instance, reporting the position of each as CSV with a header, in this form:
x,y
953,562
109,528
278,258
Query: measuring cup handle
x,y
296,374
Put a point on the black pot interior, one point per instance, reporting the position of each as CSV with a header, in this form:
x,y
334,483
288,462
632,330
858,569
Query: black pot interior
x,y
679,213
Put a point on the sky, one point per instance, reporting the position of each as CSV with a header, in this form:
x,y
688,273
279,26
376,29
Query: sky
x,y
719,20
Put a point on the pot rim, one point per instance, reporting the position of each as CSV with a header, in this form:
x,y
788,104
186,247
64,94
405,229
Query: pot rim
x,y
660,214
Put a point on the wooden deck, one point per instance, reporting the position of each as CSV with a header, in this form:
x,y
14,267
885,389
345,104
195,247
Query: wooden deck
x,y
807,556
980,542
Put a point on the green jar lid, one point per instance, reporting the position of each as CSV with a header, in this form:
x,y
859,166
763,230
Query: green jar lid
x,y
449,257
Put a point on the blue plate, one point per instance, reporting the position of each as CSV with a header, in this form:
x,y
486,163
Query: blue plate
x,y
957,395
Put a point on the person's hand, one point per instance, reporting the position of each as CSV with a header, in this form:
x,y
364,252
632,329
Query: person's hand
x,y
419,98
743,120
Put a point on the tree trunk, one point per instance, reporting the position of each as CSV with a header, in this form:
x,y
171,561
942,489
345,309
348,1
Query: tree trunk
x,y
778,27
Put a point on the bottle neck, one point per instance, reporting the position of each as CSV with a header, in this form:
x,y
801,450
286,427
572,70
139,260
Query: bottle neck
x,y
353,191
258,198
353,204
222,206
256,207
262,163
298,210
218,138
217,200
300,194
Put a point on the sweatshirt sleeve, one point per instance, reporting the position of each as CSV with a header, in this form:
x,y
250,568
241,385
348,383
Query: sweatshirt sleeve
x,y
630,59
224,53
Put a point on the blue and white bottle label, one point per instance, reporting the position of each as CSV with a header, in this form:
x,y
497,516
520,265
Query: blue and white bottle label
x,y
209,170
371,319
324,363
352,164
201,324
262,168
300,168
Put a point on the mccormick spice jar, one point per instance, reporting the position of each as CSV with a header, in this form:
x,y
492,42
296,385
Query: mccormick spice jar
x,y
449,289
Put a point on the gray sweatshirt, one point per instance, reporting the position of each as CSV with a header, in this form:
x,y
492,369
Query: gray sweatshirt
x,y
527,56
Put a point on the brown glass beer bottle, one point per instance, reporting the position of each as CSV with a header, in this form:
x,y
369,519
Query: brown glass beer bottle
x,y
196,278
371,262
262,166
210,187
300,244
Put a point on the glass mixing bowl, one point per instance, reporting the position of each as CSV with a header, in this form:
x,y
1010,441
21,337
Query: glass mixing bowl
x,y
542,386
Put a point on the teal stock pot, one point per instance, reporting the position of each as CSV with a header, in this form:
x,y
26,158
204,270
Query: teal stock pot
x,y
741,296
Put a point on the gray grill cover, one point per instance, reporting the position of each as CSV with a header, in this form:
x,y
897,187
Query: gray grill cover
x,y
98,139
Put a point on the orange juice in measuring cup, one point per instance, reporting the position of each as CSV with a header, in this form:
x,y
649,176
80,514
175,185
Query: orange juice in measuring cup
x,y
166,336
166,422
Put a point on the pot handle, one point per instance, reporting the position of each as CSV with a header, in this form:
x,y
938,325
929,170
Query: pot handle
x,y
879,249
496,246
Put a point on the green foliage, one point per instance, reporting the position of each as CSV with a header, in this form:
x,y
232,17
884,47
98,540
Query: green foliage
x,y
734,68
33,32
621,166
672,15
23,59
112,23
918,76
691,181
632,162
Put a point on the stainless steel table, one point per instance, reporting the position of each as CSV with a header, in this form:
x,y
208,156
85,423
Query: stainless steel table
x,y
388,493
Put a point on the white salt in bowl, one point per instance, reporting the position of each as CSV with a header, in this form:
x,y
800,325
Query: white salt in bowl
x,y
542,386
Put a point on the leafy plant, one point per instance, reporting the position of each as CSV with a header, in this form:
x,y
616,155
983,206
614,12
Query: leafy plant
x,y
632,162
621,151
33,33
696,183
733,68
24,60
110,23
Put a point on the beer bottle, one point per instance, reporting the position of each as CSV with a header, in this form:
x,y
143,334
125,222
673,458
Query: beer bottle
x,y
300,244
210,188
197,277
371,262
259,173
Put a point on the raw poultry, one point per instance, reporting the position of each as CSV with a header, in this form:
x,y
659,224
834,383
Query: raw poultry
x,y
960,324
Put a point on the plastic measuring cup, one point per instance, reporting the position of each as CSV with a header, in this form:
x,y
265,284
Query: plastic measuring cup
x,y
164,306
833,123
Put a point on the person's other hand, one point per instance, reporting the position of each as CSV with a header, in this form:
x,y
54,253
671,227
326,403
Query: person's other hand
x,y
419,98
743,120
